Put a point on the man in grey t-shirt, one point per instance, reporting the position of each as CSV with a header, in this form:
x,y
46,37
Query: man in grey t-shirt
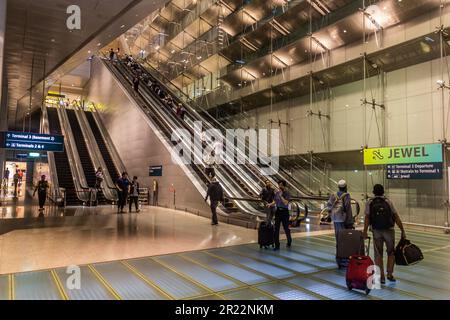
x,y
382,216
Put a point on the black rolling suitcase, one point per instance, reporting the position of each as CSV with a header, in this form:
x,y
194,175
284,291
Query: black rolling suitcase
x,y
349,243
266,235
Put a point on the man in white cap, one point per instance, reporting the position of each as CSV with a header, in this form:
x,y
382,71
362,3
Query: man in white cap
x,y
340,208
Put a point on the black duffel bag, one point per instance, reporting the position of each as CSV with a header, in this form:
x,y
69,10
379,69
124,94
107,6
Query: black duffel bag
x,y
407,253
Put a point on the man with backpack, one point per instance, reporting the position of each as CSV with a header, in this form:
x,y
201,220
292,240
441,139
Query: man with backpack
x,y
382,216
340,209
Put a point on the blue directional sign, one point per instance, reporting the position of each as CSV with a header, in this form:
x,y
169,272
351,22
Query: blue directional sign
x,y
155,171
32,142
415,171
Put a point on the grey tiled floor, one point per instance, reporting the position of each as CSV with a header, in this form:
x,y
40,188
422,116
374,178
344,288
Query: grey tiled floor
x,y
244,272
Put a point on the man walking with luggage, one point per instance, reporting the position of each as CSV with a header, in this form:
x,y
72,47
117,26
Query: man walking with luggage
x,y
267,195
281,202
340,209
215,193
382,216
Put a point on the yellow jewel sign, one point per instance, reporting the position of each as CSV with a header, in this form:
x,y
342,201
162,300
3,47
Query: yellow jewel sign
x,y
425,153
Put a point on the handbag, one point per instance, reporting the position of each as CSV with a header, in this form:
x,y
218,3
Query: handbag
x,y
407,253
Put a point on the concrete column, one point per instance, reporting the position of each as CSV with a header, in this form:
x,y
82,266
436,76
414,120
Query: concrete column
x,y
3,90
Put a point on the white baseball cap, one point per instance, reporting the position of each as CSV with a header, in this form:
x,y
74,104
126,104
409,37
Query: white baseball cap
x,y
342,184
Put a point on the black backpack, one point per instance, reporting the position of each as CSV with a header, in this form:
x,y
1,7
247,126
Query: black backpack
x,y
381,216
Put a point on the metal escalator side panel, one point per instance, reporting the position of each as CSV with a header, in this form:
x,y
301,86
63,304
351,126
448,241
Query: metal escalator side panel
x,y
79,178
104,147
95,154
97,123
45,128
229,185
63,169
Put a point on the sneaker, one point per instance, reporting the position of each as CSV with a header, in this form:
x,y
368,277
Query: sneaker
x,y
391,278
214,223
383,281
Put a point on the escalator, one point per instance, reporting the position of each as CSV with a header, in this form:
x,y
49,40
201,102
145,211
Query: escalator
x,y
250,174
85,159
110,165
242,182
64,173
165,121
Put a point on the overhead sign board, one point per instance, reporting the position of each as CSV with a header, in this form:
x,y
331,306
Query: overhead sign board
x,y
32,142
155,171
414,171
425,153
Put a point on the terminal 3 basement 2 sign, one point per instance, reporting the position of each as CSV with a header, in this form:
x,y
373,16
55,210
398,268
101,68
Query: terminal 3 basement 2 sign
x,y
32,141
408,162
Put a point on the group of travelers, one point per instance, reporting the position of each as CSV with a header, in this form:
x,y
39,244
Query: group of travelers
x,y
381,216
128,190
276,203
114,55
142,77
17,182
339,207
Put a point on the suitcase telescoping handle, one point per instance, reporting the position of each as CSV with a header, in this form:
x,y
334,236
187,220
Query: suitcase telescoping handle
x,y
367,248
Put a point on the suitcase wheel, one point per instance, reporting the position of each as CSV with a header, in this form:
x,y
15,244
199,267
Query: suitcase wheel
x,y
349,285
367,291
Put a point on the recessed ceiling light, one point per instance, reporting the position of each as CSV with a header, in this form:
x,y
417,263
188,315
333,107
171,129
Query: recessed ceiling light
x,y
52,40
99,44
122,26
89,51
345,31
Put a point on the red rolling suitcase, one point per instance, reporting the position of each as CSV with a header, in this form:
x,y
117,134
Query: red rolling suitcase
x,y
359,270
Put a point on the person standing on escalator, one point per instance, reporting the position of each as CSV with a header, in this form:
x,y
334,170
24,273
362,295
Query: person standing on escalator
x,y
111,54
136,84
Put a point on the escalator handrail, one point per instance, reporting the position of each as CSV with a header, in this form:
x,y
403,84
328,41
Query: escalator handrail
x,y
205,112
92,148
159,120
199,117
162,107
193,111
